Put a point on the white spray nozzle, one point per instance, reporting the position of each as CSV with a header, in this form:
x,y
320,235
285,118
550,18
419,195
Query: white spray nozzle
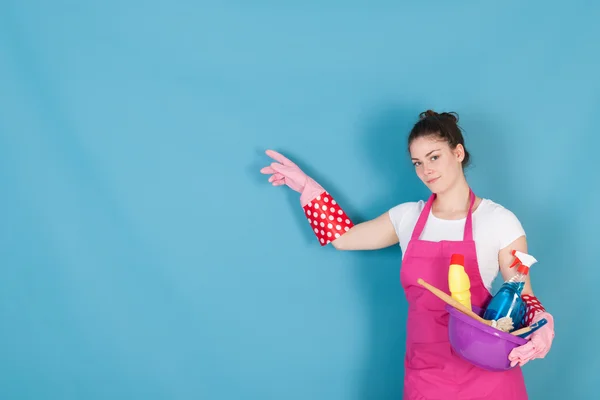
x,y
524,260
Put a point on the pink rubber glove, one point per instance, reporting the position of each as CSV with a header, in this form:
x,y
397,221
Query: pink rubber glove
x,y
326,217
285,172
539,343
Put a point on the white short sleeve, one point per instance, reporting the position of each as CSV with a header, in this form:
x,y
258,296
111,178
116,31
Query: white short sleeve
x,y
508,225
397,214
404,217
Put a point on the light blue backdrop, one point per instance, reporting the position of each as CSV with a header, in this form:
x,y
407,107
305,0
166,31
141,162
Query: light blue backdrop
x,y
144,256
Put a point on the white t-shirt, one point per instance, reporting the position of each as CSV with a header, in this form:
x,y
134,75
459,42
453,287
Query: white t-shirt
x,y
494,227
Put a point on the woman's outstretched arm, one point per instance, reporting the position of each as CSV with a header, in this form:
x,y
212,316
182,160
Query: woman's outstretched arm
x,y
327,218
369,235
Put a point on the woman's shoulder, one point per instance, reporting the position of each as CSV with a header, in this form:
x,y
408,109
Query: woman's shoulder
x,y
494,209
406,211
408,206
497,221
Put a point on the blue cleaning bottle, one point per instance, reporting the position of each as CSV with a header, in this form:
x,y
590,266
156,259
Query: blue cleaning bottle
x,y
507,302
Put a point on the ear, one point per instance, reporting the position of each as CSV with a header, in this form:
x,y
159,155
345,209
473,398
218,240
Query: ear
x,y
459,152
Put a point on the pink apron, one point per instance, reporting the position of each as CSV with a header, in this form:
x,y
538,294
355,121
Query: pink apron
x,y
432,370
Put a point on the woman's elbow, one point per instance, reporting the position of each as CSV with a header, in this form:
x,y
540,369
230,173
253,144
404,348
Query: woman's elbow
x,y
338,243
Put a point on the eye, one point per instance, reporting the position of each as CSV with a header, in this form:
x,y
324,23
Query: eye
x,y
416,163
433,158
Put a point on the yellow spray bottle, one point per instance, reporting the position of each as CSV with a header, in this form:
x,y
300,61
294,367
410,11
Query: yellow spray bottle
x,y
458,280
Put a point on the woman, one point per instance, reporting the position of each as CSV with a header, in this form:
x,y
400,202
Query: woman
x,y
453,220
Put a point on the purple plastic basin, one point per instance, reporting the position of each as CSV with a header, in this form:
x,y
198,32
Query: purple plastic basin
x,y
479,344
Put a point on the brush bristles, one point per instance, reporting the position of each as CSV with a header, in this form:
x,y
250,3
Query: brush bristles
x,y
505,324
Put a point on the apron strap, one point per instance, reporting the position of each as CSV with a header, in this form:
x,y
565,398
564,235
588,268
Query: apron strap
x,y
468,231
422,218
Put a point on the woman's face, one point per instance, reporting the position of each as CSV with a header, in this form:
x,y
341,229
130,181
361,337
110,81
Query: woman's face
x,y
436,164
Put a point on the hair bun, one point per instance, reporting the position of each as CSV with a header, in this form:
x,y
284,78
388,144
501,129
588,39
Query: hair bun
x,y
452,116
428,113
431,113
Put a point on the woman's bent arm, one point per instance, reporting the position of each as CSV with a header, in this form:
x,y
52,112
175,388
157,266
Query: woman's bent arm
x,y
374,234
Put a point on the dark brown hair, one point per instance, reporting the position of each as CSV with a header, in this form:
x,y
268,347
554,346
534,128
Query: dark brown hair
x,y
443,125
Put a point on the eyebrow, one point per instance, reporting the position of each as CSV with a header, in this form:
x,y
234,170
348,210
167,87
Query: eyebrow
x,y
426,155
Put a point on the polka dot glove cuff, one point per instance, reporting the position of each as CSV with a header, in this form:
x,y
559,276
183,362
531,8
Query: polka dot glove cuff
x,y
327,218
533,307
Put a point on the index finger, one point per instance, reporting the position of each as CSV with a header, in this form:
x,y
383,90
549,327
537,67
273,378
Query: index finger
x,y
279,158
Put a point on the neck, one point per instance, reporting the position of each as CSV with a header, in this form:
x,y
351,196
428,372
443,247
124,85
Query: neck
x,y
455,199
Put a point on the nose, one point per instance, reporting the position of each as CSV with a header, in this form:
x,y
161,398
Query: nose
x,y
427,170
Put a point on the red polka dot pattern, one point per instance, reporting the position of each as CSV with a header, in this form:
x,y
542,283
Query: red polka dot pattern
x,y
327,218
533,307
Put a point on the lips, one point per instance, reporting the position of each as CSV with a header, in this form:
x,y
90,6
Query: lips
x,y
433,180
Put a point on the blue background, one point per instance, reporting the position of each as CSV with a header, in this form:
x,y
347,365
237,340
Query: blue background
x,y
144,256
